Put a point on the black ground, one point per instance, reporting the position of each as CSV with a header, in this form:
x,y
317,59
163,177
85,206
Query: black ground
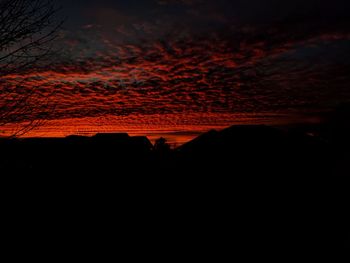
x,y
257,189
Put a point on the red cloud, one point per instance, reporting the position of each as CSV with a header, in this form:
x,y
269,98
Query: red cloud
x,y
177,82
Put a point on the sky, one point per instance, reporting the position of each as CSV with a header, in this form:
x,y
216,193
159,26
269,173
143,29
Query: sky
x,y
181,67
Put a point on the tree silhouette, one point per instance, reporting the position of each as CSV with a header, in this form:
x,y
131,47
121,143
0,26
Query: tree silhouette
x,y
161,146
27,31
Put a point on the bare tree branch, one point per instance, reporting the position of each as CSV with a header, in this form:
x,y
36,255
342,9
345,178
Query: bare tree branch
x,y
28,28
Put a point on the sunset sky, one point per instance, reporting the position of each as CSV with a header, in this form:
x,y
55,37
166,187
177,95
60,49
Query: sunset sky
x,y
176,68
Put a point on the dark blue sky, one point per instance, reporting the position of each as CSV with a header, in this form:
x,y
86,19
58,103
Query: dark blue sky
x,y
136,20
247,11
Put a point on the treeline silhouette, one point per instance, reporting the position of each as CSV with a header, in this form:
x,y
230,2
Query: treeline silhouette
x,y
254,150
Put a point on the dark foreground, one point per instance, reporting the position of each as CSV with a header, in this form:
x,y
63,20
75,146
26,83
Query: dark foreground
x,y
251,190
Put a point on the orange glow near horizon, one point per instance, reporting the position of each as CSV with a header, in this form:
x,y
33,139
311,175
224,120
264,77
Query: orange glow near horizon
x,y
176,129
